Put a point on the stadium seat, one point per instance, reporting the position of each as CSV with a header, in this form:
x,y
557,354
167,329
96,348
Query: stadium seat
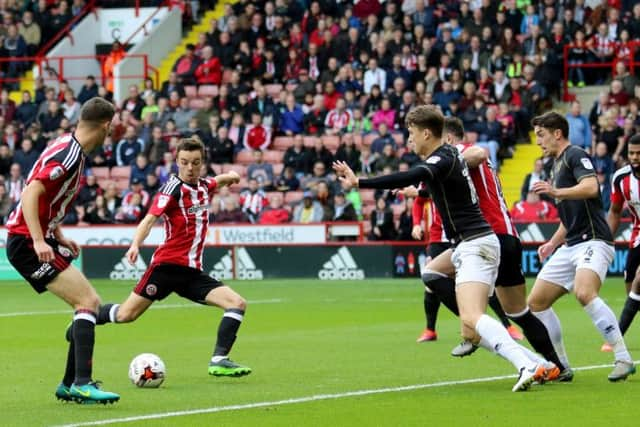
x,y
282,142
272,156
277,168
367,196
244,157
240,169
397,210
196,103
292,197
217,168
120,172
273,90
122,184
357,139
366,211
207,90
309,141
191,91
104,184
331,142
226,76
366,227
101,174
368,139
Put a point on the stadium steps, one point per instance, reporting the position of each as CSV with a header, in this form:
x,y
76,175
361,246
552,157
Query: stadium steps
x,y
588,95
513,171
26,83
192,37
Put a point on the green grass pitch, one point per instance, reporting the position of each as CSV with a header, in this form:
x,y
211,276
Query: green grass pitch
x,y
309,340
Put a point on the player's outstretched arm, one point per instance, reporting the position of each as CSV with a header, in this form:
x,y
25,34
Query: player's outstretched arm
x,y
30,199
228,178
143,230
474,156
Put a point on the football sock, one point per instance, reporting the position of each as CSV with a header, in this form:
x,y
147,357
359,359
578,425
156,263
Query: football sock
x,y
227,331
70,369
604,319
498,339
631,307
84,323
530,354
497,309
107,314
537,335
444,287
551,322
431,305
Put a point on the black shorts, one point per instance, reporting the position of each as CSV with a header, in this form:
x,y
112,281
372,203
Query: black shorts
x,y
437,248
510,268
633,261
162,279
22,256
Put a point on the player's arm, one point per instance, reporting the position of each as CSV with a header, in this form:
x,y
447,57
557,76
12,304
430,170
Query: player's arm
x,y
587,184
613,217
474,156
142,232
391,181
556,240
417,213
30,207
228,178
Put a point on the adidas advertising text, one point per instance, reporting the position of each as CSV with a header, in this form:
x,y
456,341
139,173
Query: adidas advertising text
x,y
341,266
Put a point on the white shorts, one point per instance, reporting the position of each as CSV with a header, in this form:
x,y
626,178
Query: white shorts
x,y
477,260
594,255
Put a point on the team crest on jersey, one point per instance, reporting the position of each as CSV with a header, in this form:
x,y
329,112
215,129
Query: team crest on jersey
x,y
433,160
56,173
163,200
64,251
151,290
587,164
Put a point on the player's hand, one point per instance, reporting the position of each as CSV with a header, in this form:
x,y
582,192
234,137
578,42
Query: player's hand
x,y
545,250
345,174
132,254
233,177
72,246
543,187
410,191
416,232
44,251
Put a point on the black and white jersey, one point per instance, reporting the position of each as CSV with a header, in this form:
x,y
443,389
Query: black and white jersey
x,y
446,175
584,219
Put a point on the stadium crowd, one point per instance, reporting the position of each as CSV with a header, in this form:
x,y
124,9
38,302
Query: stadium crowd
x,y
277,90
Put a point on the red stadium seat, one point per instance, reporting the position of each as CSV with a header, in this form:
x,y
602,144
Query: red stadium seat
x,y
282,142
272,156
122,184
397,210
309,141
277,168
273,90
358,140
101,174
293,197
366,211
196,103
331,142
367,196
120,172
226,76
207,90
104,184
191,91
368,139
240,169
244,157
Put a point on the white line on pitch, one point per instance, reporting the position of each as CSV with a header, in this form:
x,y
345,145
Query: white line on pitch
x,y
153,307
305,399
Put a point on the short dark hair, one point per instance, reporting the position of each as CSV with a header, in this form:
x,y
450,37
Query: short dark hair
x,y
454,125
552,121
190,144
426,117
635,139
96,111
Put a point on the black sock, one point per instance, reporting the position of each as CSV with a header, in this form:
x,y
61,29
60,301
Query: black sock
x,y
431,305
538,336
631,307
104,313
497,309
84,337
70,370
227,331
444,288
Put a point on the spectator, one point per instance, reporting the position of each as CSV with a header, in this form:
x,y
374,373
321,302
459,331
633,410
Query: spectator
x,y
183,115
11,137
270,70
405,224
112,199
185,68
382,226
231,213
71,107
50,121
275,213
7,106
220,146
288,180
308,210
27,111
374,76
30,32
611,134
292,119
533,209
134,103
579,127
89,191
140,169
253,200
320,153
296,157
348,152
261,171
173,84
342,209
578,55
129,147
136,188
318,174
5,205
387,159
130,212
26,157
150,108
104,156
205,113
489,135
384,138
89,90
6,160
602,161
338,119
600,106
538,174
209,72
305,86
151,184
15,184
97,212
617,95
385,114
601,48
14,47
257,136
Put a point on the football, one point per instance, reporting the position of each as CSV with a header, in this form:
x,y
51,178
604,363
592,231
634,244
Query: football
x,y
147,370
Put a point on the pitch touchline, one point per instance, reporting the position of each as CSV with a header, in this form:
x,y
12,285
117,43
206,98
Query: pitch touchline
x,y
305,399
153,307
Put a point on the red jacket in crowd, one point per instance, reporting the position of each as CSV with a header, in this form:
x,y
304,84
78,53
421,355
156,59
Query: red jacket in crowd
x,y
209,72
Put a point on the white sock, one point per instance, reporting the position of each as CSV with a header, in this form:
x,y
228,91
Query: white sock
x,y
634,296
497,338
550,320
216,359
534,357
604,319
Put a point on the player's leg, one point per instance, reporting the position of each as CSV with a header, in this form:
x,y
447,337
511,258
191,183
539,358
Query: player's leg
x,y
437,276
497,308
593,259
72,286
431,301
632,280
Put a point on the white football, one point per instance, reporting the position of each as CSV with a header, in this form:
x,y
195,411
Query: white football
x,y
147,370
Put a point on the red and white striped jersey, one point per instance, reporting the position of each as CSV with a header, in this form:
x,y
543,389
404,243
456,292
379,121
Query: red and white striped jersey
x,y
433,223
59,168
490,198
626,189
185,210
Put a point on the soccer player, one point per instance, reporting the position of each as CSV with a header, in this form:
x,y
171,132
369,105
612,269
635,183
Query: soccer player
x,y
583,239
38,250
176,266
477,250
626,189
